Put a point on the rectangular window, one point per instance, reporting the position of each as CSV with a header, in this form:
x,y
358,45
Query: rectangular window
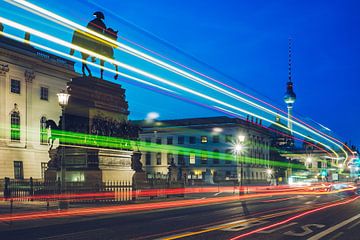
x,y
15,86
203,159
148,159
169,140
44,93
228,155
15,127
216,139
192,158
181,140
319,165
204,139
181,160
44,167
228,138
18,170
170,158
216,157
158,140
148,141
158,158
192,140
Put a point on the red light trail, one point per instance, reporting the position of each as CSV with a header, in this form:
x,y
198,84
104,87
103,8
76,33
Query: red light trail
x,y
294,217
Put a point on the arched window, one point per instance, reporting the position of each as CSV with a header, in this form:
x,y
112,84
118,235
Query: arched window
x,y
43,131
15,124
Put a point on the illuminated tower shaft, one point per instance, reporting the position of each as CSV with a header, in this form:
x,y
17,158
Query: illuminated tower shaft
x,y
290,96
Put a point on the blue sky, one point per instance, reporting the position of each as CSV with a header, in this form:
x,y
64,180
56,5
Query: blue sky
x,y
248,41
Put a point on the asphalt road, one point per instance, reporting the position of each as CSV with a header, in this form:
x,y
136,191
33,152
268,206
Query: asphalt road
x,y
215,221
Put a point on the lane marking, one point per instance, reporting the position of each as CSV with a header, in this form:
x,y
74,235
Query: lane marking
x,y
334,228
354,225
336,235
75,234
306,230
279,228
228,225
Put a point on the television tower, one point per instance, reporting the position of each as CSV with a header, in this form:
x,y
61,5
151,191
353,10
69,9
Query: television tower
x,y
290,96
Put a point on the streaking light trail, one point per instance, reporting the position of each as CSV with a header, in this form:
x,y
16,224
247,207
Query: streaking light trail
x,y
295,217
54,17
146,74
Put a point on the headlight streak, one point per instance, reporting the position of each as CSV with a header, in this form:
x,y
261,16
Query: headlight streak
x,y
146,74
49,15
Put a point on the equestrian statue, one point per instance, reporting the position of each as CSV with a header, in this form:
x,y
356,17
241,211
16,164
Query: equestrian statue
x,y
95,44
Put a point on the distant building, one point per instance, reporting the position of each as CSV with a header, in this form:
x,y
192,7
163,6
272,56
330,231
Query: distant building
x,y
29,81
199,145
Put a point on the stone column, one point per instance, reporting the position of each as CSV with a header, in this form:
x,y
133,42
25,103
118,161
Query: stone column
x,y
30,134
4,69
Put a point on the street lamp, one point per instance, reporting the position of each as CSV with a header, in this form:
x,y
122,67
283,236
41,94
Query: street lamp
x,y
238,150
63,99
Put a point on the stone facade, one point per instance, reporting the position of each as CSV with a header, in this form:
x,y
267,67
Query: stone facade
x,y
29,81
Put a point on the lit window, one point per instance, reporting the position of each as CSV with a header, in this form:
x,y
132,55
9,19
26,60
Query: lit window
x,y
204,139
204,158
44,167
192,158
15,126
43,131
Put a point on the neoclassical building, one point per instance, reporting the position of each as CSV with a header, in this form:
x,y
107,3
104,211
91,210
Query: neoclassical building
x,y
29,81
201,146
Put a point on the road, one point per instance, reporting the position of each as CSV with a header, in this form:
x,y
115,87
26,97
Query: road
x,y
282,217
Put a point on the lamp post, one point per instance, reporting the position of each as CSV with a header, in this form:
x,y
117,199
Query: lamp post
x,y
238,150
63,99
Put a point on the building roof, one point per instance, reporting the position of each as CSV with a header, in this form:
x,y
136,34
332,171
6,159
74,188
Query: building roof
x,y
27,49
201,123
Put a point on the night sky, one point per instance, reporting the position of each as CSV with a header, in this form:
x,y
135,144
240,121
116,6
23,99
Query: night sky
x,y
248,41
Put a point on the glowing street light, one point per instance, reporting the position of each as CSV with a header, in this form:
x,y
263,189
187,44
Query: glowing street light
x,y
63,99
238,150
269,171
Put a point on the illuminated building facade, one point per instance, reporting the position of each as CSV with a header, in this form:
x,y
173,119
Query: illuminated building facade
x,y
29,81
201,143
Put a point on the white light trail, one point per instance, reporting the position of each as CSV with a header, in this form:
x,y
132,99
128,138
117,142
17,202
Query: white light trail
x,y
54,17
136,70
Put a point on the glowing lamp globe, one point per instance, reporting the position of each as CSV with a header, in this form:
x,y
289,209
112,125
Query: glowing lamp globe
x,y
63,98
